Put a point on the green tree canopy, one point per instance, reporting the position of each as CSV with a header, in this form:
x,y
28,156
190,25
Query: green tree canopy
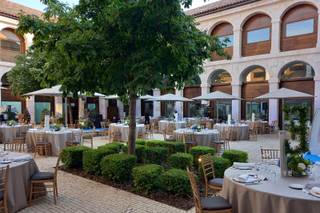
x,y
119,47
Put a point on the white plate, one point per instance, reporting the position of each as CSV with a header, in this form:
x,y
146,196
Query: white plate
x,y
296,186
256,180
5,161
243,167
314,194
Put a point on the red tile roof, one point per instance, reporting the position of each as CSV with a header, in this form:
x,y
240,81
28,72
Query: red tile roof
x,y
217,7
12,10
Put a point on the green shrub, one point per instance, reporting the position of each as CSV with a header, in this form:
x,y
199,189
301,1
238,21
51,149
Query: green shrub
x,y
140,142
117,167
116,146
197,151
71,157
181,160
156,155
220,165
176,181
146,178
92,158
172,147
140,152
235,156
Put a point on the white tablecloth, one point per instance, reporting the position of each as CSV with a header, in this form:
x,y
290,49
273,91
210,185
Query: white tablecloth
x,y
238,131
269,196
10,132
206,137
124,130
164,123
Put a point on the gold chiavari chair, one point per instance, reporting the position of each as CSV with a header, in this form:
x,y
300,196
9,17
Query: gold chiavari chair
x,y
269,154
76,139
189,141
49,179
4,178
168,134
214,204
88,137
115,135
41,145
211,181
253,131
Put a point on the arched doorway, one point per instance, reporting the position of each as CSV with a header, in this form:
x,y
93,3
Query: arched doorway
x,y
11,45
254,83
220,80
298,76
191,90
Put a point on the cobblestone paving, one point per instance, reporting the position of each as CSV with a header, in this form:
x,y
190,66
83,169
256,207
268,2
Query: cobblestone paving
x,y
79,195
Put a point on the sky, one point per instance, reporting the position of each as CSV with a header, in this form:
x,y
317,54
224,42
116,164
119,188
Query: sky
x,y
36,4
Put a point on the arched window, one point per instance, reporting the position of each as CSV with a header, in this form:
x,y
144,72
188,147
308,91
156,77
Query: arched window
x,y
297,70
299,28
255,74
11,45
256,35
224,32
220,77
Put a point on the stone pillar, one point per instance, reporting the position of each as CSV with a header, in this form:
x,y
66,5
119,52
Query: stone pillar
x,y
30,102
318,41
275,37
273,103
58,106
205,89
121,109
156,104
81,107
236,104
237,35
316,94
138,108
179,105
102,107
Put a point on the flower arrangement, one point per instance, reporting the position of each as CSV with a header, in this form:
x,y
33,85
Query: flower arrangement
x,y
11,123
55,127
126,121
85,123
196,128
297,146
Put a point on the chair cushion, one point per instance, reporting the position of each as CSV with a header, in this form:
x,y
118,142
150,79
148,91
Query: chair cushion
x,y
216,182
215,203
42,176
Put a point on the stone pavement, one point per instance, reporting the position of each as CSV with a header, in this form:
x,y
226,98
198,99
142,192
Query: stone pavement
x,y
79,195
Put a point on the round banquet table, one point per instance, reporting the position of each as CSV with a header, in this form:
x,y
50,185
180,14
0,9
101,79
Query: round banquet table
x,y
238,131
10,132
57,139
21,169
206,137
124,130
178,124
268,196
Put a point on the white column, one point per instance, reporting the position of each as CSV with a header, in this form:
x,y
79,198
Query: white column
x,y
156,104
236,104
205,89
318,41
0,94
81,107
107,105
273,103
179,105
275,37
138,108
120,108
30,102
58,106
317,94
102,107
237,35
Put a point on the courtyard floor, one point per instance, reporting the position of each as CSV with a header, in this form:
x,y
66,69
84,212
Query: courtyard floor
x,y
77,194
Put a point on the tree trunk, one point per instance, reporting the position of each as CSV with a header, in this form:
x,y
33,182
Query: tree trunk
x,y
132,124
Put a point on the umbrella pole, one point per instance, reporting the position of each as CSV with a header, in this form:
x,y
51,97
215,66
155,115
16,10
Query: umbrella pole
x,y
66,111
282,113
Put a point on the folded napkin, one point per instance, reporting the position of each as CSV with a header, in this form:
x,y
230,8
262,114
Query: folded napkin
x,y
247,178
316,190
239,165
22,158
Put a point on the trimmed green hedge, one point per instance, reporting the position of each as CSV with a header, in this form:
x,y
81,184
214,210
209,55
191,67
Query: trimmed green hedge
x,y
181,160
176,181
172,147
220,165
71,157
116,146
140,142
92,158
197,151
146,178
140,152
118,167
235,156
156,155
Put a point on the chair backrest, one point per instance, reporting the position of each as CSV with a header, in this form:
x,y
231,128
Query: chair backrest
x,y
40,137
195,191
76,136
188,137
4,177
57,166
170,128
270,154
206,162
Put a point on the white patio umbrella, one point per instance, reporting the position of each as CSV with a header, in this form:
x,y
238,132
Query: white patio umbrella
x,y
112,97
52,91
283,94
170,97
144,97
217,95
